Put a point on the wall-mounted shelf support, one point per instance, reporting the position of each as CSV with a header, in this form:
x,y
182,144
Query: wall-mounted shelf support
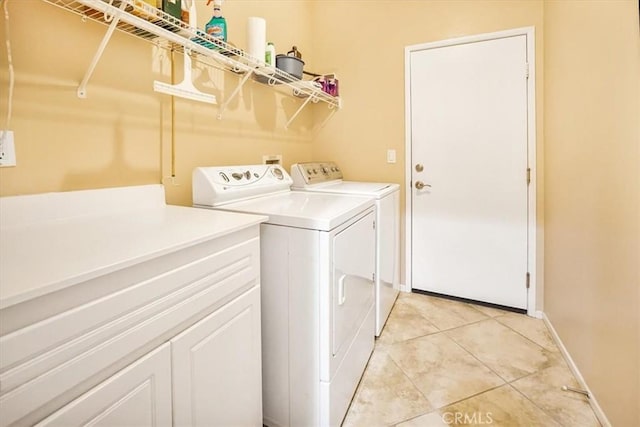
x,y
82,89
234,93
304,104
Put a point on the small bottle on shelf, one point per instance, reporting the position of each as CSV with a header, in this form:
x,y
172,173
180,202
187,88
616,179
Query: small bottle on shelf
x,y
217,26
270,55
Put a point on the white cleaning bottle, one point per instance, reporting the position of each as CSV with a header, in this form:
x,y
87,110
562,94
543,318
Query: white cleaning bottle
x,y
270,55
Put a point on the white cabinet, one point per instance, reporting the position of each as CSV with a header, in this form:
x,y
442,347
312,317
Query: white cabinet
x,y
212,370
139,395
221,349
162,329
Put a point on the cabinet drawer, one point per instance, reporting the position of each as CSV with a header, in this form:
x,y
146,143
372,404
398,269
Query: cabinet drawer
x,y
59,354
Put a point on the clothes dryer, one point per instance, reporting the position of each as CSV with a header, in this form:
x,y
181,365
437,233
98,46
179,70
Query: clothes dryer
x,y
326,178
317,281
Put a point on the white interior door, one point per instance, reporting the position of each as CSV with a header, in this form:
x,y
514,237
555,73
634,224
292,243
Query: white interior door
x,y
468,113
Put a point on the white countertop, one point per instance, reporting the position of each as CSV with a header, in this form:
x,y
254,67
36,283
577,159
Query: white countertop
x,y
45,252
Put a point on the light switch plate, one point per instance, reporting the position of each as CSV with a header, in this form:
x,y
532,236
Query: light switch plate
x,y
391,156
7,149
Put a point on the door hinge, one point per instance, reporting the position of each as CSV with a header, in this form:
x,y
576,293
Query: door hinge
x,y
528,176
528,280
526,70
374,225
373,277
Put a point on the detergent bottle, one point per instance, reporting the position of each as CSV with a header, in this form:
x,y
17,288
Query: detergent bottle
x,y
217,26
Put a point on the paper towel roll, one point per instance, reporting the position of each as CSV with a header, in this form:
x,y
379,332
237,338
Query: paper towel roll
x,y
256,37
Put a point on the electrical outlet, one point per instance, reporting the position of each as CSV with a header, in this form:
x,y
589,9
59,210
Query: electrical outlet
x,y
7,149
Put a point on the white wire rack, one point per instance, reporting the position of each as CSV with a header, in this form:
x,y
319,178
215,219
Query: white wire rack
x,y
143,21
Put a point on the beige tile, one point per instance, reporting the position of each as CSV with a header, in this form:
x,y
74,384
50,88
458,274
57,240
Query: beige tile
x,y
385,395
530,327
404,323
506,352
499,407
567,408
490,311
433,419
444,313
441,370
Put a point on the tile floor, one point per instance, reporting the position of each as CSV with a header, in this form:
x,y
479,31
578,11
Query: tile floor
x,y
440,362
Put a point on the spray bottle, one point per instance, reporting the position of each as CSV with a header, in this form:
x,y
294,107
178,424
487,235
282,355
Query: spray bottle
x,y
217,26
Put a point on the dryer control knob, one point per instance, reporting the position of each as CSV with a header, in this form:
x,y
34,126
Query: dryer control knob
x,y
237,176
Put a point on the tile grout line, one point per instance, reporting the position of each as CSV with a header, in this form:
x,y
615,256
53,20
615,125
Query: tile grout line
x,y
414,386
420,391
504,382
524,336
476,357
473,395
535,404
444,333
507,382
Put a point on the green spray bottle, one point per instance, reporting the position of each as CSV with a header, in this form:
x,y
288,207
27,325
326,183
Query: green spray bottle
x,y
217,26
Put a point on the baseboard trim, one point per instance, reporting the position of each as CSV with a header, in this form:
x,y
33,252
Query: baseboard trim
x,y
576,372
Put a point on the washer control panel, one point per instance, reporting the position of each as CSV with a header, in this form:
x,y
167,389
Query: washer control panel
x,y
222,184
304,174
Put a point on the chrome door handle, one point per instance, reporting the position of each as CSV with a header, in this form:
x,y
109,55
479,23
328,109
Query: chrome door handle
x,y
420,185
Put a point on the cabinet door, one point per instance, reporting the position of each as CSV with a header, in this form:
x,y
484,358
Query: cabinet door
x,y
139,395
217,367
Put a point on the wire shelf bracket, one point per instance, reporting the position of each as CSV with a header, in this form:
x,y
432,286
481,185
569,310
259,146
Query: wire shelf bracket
x,y
82,88
234,93
304,104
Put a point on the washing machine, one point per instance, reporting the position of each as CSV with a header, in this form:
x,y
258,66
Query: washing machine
x,y
317,281
326,178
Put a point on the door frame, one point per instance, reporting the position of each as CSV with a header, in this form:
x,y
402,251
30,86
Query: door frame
x,y
532,236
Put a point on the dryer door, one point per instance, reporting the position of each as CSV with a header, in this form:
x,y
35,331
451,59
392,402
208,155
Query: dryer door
x,y
353,288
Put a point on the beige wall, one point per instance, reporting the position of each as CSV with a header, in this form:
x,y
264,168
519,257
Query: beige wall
x,y
364,43
592,135
121,134
587,87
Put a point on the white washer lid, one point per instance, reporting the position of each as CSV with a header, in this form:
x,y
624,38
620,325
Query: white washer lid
x,y
300,209
372,189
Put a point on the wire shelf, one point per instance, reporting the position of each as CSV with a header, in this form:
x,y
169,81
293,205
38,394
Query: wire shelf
x,y
143,21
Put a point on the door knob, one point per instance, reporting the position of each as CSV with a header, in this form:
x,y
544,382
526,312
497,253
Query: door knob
x,y
419,167
420,185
